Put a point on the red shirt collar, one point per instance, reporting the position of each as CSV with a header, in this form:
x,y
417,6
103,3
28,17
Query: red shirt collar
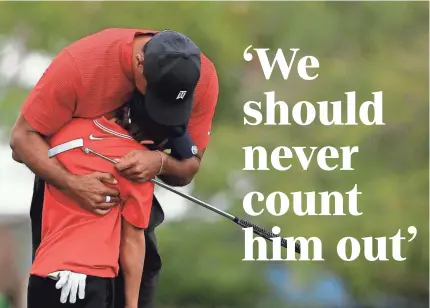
x,y
112,128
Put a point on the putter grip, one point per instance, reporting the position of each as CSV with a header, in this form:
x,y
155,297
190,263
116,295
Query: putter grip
x,y
264,233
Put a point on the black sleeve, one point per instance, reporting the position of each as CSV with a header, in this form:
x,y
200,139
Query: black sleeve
x,y
182,147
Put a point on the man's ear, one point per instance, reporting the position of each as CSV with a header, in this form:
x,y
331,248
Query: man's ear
x,y
139,62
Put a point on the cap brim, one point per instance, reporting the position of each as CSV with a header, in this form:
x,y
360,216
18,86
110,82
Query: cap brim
x,y
166,113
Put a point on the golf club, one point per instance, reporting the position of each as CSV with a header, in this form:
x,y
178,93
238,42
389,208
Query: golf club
x,y
79,143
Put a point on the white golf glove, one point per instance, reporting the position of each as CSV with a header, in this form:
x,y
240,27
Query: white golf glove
x,y
71,284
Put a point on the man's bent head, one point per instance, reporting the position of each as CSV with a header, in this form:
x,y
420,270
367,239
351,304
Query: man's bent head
x,y
170,70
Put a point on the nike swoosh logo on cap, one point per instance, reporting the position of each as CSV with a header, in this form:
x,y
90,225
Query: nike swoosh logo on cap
x,y
92,137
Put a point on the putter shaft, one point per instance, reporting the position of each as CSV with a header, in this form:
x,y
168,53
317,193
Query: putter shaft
x,y
195,200
88,150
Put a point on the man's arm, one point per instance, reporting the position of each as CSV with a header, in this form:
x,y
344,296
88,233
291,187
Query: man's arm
x,y
32,149
49,106
29,147
16,158
174,172
187,169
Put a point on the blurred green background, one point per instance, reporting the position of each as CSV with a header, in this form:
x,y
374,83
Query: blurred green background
x,y
361,46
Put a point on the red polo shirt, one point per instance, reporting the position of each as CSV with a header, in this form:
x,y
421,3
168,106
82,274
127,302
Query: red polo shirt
x,y
92,77
72,238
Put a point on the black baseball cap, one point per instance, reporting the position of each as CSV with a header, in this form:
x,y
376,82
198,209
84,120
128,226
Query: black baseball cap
x,y
172,70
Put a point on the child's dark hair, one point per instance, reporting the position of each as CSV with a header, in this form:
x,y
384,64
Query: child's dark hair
x,y
139,116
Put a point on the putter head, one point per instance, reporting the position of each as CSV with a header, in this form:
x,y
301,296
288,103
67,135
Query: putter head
x,y
67,146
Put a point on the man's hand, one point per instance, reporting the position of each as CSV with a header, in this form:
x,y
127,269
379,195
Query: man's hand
x,y
90,192
140,165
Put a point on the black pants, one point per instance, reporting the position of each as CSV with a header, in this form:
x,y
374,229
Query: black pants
x,y
41,293
152,258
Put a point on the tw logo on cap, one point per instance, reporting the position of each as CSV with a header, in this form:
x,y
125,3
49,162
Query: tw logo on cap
x,y
181,94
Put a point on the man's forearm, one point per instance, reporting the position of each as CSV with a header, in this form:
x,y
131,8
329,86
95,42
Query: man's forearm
x,y
132,257
179,172
30,148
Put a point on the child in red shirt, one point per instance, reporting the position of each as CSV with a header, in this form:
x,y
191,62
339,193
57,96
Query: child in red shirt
x,y
85,245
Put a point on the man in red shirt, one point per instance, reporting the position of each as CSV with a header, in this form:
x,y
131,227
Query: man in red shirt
x,y
96,75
